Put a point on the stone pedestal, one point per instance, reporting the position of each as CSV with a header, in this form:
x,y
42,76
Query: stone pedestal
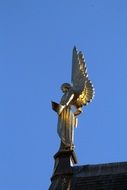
x,y
62,174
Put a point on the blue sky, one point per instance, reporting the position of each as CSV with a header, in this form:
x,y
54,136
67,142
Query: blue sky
x,y
36,41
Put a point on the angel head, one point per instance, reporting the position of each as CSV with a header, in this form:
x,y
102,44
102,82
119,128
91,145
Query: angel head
x,y
65,87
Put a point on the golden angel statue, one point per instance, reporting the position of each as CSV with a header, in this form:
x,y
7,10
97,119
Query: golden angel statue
x,y
76,95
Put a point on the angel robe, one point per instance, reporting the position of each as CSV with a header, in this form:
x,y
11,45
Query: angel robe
x,y
65,127
66,123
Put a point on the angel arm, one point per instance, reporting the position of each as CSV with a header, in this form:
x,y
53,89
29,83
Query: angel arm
x,y
67,97
65,101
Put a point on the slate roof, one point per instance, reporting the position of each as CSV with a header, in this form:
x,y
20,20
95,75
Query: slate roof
x,y
112,176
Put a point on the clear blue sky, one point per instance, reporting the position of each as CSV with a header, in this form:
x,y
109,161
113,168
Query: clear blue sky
x,y
36,41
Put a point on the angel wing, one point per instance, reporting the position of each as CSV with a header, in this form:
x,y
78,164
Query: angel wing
x,y
79,71
87,94
81,84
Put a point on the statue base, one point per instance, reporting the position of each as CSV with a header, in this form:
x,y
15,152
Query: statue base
x,y
63,170
64,160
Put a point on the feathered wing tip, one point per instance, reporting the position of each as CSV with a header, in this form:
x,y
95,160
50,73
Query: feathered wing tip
x,y
74,48
79,71
89,91
79,54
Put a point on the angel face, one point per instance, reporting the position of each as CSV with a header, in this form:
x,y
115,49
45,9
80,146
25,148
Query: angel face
x,y
65,87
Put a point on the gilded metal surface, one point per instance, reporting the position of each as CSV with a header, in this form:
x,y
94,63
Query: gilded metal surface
x,y
78,94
